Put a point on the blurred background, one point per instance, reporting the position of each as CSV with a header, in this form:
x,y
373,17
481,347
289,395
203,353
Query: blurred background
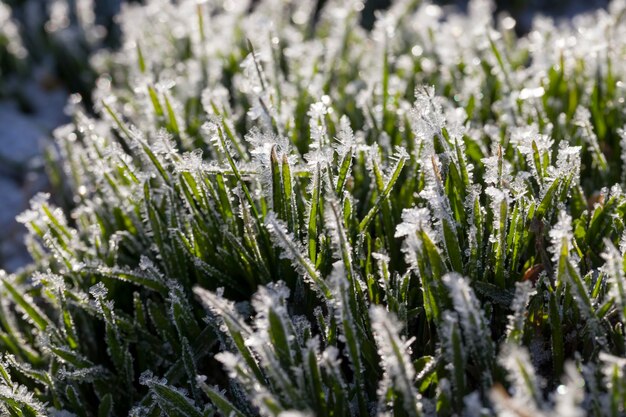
x,y
521,10
45,47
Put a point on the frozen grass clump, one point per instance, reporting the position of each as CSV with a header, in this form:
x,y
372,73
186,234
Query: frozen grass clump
x,y
277,213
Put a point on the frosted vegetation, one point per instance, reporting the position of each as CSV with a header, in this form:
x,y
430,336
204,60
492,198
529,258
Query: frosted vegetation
x,y
12,51
280,214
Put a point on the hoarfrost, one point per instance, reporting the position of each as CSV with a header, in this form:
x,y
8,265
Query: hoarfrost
x,y
560,235
476,333
395,356
515,327
521,374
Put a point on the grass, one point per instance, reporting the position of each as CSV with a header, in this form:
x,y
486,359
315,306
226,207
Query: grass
x,y
309,218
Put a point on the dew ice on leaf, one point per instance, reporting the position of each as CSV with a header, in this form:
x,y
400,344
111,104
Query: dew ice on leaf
x,y
586,133
427,119
569,396
526,392
517,320
568,163
454,352
614,268
295,253
415,220
535,147
395,356
561,237
473,323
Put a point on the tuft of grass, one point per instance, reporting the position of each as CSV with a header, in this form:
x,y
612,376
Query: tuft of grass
x,y
306,218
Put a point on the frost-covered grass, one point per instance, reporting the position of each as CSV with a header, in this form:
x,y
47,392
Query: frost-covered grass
x,y
12,51
273,214
50,41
